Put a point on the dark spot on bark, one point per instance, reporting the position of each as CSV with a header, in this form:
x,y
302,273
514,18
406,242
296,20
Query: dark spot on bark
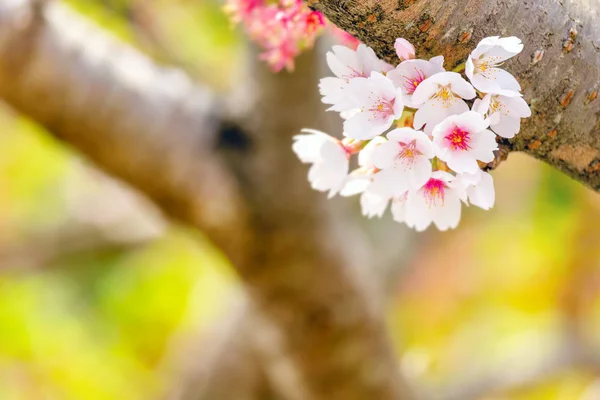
x,y
593,167
534,144
425,21
233,137
404,4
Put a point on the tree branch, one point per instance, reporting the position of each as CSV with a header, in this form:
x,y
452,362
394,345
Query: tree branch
x,y
561,87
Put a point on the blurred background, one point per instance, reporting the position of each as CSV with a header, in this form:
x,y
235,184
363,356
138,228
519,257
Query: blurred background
x,y
98,292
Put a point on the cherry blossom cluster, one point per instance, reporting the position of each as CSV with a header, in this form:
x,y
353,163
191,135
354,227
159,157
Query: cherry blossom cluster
x,y
421,134
282,27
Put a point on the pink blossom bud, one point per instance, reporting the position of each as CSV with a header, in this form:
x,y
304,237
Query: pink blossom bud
x,y
404,49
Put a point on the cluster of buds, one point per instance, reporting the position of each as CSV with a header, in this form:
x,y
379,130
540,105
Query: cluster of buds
x,y
421,133
283,28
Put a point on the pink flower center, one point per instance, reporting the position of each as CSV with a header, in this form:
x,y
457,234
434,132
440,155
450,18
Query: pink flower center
x,y
458,139
382,108
412,82
434,191
408,152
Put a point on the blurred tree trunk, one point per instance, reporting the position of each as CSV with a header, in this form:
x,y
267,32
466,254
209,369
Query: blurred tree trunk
x,y
223,166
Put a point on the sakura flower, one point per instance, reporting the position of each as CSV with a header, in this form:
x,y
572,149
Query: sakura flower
x,y
482,65
409,75
347,64
461,140
479,188
440,96
404,49
404,160
504,110
328,157
438,201
379,103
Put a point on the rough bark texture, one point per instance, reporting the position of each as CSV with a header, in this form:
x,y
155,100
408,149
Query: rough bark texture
x,y
230,175
561,87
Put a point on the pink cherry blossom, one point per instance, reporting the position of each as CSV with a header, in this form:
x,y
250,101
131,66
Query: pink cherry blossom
x,y
347,64
409,75
404,159
282,28
438,201
462,140
378,104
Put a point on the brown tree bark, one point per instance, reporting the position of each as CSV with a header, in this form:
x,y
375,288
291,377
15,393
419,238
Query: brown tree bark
x,y
561,86
210,163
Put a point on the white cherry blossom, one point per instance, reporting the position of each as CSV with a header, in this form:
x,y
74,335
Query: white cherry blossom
x,y
347,64
479,188
328,157
482,64
440,96
404,160
409,75
379,103
438,201
461,140
426,172
504,110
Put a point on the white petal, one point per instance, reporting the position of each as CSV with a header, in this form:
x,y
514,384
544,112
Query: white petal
x,y
383,85
354,185
390,182
418,214
482,106
447,216
470,121
461,162
470,69
363,126
505,80
384,156
433,112
519,106
463,88
308,147
483,146
398,210
425,91
483,194
420,172
373,204
365,156
507,127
